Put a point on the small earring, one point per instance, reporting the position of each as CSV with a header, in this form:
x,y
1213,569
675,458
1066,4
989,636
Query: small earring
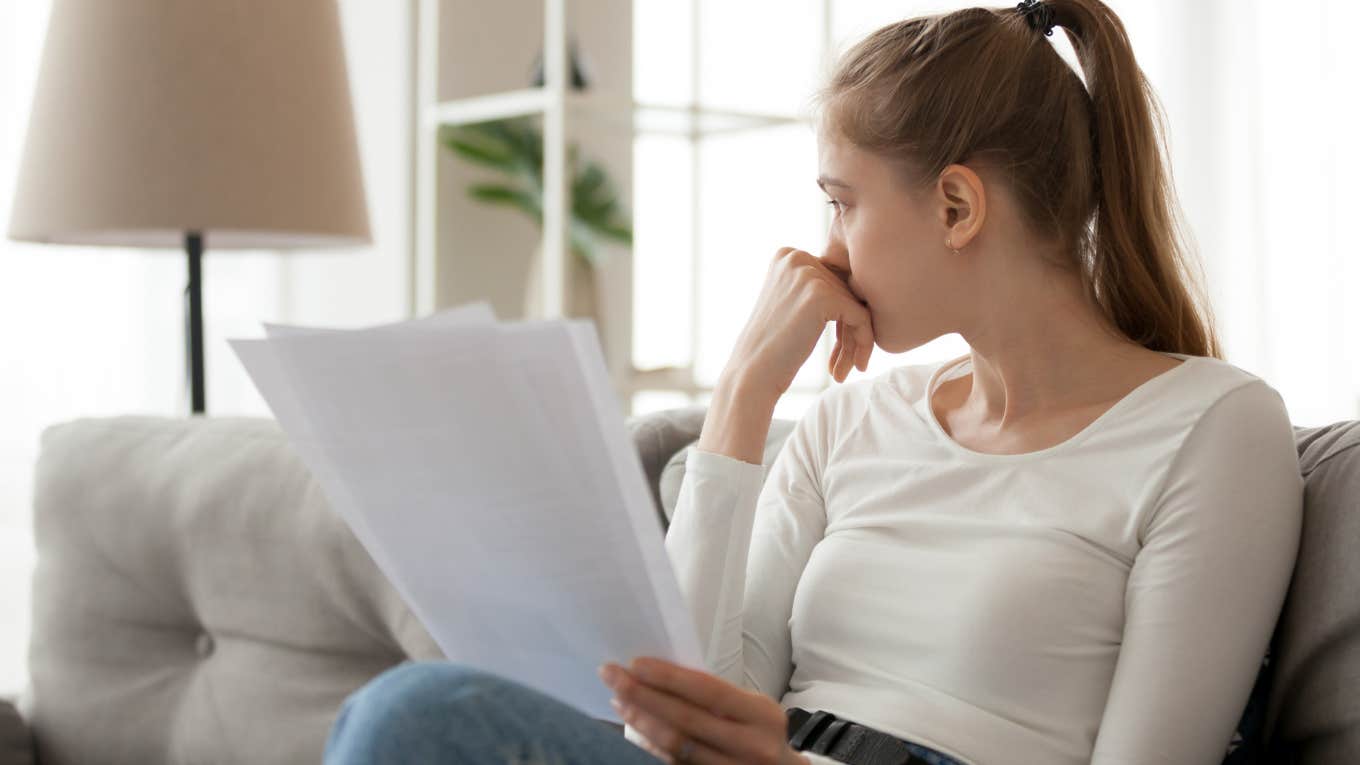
x,y
950,244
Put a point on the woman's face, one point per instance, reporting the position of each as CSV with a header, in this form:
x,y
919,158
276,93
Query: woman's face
x,y
892,243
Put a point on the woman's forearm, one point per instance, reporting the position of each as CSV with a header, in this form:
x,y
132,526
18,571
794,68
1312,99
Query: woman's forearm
x,y
738,420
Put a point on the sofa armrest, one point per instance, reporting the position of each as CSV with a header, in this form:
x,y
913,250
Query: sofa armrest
x,y
16,740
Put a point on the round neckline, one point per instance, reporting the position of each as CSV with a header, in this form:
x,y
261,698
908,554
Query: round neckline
x,y
938,376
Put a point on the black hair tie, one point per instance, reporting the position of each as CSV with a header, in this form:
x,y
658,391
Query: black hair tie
x,y
1038,15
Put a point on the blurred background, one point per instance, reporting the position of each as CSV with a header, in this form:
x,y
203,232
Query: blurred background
x,y
693,115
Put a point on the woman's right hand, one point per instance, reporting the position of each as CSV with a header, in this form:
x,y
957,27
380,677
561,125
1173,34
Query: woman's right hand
x,y
802,292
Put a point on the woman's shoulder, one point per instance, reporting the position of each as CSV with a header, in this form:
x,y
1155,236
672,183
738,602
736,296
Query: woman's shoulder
x,y
1236,394
1207,398
1210,380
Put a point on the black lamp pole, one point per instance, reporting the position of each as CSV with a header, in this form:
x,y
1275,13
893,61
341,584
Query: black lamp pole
x,y
193,320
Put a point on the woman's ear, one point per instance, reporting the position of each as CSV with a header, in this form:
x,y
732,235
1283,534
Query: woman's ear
x,y
962,204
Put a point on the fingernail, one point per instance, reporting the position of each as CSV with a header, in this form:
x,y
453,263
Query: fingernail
x,y
606,673
614,702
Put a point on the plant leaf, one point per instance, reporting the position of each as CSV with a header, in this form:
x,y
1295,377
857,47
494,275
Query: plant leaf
x,y
515,147
503,195
478,145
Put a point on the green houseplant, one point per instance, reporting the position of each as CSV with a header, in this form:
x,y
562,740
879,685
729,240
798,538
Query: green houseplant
x,y
515,148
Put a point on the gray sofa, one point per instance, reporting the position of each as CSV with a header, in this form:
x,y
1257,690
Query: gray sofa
x,y
196,601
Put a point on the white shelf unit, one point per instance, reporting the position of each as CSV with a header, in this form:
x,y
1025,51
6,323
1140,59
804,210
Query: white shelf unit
x,y
602,110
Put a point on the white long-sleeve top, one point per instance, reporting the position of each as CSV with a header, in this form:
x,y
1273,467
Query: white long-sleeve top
x,y
1106,600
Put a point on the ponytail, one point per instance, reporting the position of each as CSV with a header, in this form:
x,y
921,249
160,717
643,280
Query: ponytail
x,y
1139,270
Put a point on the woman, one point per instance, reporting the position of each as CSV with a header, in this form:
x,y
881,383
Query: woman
x,y
1069,545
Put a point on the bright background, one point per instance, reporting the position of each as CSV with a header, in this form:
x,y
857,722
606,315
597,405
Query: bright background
x,y
1262,120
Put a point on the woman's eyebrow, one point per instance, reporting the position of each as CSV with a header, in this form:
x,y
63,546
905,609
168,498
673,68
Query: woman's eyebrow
x,y
826,180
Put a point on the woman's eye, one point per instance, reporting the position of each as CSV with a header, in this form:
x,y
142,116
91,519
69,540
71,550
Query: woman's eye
x,y
835,205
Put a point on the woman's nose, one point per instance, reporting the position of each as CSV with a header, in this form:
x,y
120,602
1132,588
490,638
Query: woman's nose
x,y
836,254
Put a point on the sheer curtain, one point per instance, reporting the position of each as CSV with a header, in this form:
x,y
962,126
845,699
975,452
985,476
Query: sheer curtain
x,y
99,331
1263,120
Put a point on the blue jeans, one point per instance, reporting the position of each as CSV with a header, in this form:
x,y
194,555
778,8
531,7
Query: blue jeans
x,y
441,712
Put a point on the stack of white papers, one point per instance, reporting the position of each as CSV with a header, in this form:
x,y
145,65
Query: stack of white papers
x,y
487,469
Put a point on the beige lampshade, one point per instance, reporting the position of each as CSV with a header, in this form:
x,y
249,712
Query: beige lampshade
x,y
156,117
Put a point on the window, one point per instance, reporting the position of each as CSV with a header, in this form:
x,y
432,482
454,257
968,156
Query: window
x,y
712,208
1241,95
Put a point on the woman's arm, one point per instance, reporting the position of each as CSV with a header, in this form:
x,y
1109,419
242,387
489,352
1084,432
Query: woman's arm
x,y
739,547
1207,586
721,497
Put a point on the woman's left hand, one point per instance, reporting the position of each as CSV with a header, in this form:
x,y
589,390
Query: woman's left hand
x,y
671,705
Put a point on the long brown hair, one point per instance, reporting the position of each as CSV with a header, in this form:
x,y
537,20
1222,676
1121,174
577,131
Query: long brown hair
x,y
1085,160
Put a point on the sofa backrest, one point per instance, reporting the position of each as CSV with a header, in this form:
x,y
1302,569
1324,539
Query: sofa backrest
x,y
1314,710
196,600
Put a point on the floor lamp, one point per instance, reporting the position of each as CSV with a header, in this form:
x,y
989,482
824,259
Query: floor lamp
x,y
193,126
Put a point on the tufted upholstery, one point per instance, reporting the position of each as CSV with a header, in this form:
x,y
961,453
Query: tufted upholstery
x,y
196,600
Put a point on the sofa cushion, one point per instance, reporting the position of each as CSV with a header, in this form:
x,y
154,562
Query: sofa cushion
x,y
682,434
659,435
195,598
1314,714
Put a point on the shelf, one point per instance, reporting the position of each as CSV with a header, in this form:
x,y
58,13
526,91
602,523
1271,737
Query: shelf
x,y
464,251
607,108
512,103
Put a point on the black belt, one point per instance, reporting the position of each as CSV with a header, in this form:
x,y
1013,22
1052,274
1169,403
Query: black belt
x,y
823,733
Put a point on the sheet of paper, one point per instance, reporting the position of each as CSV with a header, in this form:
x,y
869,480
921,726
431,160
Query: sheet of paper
x,y
488,470
277,389
477,312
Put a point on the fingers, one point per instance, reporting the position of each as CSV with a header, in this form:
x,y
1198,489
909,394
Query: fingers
x,y
700,688
641,739
859,332
680,716
847,354
657,753
831,287
841,351
835,352
664,739
854,328
673,706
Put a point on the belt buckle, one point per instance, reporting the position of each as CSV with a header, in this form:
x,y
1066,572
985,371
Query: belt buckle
x,y
806,727
823,733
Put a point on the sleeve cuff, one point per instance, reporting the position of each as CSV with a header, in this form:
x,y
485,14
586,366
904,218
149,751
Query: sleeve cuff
x,y
723,466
